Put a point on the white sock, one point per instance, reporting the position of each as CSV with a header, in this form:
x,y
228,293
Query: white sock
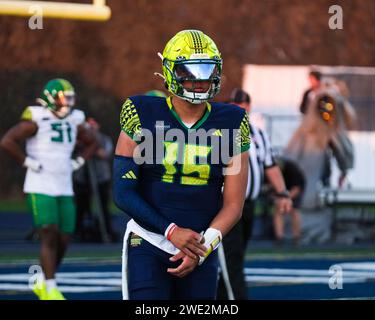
x,y
40,280
50,283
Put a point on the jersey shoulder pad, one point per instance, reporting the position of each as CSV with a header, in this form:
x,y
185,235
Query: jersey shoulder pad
x,y
27,114
32,113
237,119
230,111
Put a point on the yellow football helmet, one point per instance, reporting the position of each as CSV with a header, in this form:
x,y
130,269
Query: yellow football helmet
x,y
192,56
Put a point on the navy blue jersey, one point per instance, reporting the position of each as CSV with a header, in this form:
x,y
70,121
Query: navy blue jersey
x,y
182,176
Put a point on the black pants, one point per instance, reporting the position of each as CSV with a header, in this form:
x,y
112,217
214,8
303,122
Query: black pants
x,y
235,243
83,197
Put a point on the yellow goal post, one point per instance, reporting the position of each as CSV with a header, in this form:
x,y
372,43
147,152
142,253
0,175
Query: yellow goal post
x,y
97,11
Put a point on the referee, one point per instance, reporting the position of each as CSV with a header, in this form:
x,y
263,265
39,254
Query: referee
x,y
261,163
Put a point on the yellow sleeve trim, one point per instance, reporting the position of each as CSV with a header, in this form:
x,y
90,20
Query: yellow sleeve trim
x,y
27,115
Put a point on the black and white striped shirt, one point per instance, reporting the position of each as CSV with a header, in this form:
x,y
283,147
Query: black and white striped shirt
x,y
260,158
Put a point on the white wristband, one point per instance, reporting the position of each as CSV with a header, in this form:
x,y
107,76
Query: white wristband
x,y
32,164
77,163
212,239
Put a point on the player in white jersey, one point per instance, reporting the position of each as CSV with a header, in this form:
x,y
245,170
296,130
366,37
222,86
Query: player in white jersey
x,y
50,132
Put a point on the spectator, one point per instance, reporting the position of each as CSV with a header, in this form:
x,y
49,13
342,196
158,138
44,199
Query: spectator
x,y
83,186
308,96
322,129
295,183
346,121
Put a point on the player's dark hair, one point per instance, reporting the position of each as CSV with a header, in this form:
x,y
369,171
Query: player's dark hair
x,y
316,74
238,96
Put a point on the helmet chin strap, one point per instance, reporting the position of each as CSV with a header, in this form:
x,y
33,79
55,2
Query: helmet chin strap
x,y
190,99
42,102
196,97
159,75
194,101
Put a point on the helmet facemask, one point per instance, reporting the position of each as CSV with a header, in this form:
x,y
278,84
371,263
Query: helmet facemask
x,y
195,80
62,104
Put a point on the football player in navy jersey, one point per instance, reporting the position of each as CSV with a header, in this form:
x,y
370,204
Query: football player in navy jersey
x,y
183,200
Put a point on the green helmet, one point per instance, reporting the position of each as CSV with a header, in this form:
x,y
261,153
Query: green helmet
x,y
58,95
192,56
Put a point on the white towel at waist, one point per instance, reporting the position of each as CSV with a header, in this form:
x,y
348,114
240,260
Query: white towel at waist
x,y
155,239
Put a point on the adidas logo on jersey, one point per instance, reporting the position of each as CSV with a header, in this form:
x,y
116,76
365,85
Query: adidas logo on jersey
x,y
217,133
129,175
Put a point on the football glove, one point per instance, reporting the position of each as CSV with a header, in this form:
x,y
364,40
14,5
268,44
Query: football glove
x,y
32,164
212,238
77,163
